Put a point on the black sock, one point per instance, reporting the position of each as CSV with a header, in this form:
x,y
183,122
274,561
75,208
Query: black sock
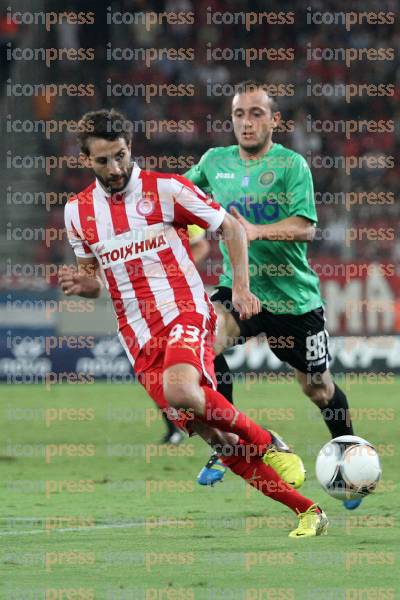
x,y
224,377
170,426
337,414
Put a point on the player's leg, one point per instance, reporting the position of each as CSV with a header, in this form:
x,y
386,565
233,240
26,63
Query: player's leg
x,y
189,386
330,399
183,391
188,365
312,520
311,353
308,354
305,347
174,434
334,407
239,455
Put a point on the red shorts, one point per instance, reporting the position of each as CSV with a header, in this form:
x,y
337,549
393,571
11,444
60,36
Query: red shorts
x,y
188,339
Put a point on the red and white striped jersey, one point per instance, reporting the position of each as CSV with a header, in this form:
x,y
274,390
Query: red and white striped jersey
x,y
139,238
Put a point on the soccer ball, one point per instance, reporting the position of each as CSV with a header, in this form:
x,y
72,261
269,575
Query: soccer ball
x,y
348,468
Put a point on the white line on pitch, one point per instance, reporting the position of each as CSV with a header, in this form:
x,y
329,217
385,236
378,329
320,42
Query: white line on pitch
x,y
73,529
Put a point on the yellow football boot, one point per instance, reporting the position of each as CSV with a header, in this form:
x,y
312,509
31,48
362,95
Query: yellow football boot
x,y
311,523
288,465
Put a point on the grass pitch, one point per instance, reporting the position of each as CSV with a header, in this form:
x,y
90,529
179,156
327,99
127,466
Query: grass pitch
x,y
92,507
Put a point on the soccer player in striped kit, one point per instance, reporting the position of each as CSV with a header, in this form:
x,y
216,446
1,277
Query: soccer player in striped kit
x,y
130,225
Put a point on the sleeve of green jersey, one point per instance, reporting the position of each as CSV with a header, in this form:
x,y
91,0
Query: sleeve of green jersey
x,y
300,189
197,174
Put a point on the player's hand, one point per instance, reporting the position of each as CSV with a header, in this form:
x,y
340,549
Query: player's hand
x,y
246,303
71,282
250,229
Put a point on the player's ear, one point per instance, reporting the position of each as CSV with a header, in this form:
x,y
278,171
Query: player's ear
x,y
276,119
84,160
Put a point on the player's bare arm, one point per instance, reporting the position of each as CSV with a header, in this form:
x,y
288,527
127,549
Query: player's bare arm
x,y
234,237
292,229
83,280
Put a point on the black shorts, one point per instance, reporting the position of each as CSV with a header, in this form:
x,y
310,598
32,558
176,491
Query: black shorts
x,y
299,340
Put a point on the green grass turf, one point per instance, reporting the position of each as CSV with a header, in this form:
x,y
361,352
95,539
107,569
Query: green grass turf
x,y
141,528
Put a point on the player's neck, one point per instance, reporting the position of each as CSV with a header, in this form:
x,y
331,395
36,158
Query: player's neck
x,y
245,155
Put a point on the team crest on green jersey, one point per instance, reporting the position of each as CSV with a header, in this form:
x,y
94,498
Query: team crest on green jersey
x,y
267,178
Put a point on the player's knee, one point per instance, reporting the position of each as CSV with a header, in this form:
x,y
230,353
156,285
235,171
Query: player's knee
x,y
320,395
180,395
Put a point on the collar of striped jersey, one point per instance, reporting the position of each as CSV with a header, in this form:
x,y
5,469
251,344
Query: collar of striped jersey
x,y
130,187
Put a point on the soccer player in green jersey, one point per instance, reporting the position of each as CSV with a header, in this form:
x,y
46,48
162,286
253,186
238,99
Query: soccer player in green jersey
x,y
269,189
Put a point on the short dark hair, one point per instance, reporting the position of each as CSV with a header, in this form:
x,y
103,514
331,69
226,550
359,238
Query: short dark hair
x,y
105,124
251,85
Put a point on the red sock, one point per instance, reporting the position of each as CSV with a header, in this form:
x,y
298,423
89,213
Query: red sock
x,y
223,415
266,480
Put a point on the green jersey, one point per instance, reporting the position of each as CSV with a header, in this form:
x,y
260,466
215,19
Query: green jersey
x,y
267,190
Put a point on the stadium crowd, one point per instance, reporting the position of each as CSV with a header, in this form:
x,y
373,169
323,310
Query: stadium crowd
x,y
350,141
